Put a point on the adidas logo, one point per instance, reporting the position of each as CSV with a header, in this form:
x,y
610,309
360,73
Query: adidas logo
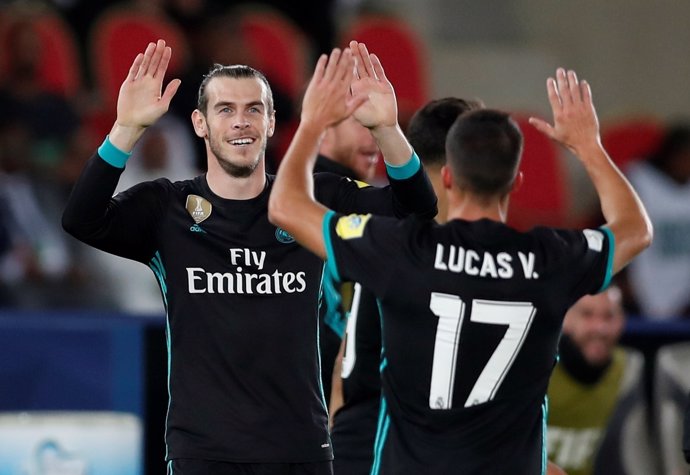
x,y
197,229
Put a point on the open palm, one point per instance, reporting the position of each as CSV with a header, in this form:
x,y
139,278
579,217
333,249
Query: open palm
x,y
140,102
381,109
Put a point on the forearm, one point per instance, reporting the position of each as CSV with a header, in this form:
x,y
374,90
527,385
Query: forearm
x,y
622,209
124,137
88,202
394,146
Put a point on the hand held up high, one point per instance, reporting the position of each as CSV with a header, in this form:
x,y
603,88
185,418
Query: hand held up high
x,y
140,102
381,108
328,99
575,122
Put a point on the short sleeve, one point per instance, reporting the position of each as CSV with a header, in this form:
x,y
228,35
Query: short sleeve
x,y
362,248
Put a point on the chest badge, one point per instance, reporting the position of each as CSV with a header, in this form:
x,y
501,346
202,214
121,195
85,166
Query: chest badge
x,y
198,208
283,236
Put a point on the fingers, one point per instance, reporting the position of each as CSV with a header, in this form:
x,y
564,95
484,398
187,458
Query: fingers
x,y
586,92
542,126
170,91
363,60
332,66
554,97
159,72
320,68
148,54
152,59
378,68
563,89
135,67
574,86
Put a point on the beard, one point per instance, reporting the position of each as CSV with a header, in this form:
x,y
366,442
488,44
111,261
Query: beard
x,y
233,169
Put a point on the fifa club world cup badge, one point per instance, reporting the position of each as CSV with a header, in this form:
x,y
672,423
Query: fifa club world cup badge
x,y
198,208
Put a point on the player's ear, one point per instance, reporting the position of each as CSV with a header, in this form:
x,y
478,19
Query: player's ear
x,y
446,177
271,123
517,183
199,123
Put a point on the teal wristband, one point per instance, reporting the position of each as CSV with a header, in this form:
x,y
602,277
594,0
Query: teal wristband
x,y
403,172
113,155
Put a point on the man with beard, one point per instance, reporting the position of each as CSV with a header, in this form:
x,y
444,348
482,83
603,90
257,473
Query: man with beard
x,y
593,387
240,294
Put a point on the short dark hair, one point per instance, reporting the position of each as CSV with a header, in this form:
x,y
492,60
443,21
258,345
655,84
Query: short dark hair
x,y
429,126
484,148
235,71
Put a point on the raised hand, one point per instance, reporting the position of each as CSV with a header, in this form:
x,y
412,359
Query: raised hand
x,y
381,108
140,102
575,122
328,100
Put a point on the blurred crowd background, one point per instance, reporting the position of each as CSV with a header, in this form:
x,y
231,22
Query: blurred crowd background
x,y
62,63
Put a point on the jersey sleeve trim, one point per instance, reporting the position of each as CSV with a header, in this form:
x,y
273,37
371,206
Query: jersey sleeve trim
x,y
113,155
403,172
609,260
330,256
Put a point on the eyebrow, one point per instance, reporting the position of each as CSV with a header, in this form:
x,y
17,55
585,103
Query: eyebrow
x,y
229,103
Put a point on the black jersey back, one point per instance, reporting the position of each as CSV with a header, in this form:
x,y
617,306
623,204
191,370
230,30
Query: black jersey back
x,y
355,422
241,299
471,313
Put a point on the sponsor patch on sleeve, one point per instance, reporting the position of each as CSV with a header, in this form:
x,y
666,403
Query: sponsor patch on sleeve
x,y
595,239
352,226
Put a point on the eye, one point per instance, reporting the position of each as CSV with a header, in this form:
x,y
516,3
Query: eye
x,y
255,110
225,110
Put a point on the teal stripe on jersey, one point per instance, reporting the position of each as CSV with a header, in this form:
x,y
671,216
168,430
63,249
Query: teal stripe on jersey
x,y
403,172
333,317
381,433
609,262
170,468
156,265
544,435
318,339
330,256
384,363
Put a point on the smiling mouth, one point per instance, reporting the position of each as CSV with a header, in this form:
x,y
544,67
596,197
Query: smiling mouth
x,y
242,141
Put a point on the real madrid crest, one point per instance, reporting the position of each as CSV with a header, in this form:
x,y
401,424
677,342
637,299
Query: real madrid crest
x,y
198,208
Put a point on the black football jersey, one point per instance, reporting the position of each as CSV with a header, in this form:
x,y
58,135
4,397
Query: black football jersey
x,y
471,316
241,299
354,423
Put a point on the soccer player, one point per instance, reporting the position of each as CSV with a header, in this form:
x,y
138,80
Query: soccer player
x,y
357,383
240,294
472,309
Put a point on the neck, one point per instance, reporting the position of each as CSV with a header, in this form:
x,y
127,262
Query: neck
x,y
466,206
235,188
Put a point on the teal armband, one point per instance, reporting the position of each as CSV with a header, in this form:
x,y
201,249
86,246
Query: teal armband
x,y
403,172
113,155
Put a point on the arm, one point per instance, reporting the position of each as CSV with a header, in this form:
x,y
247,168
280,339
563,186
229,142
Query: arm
x,y
90,214
576,127
326,102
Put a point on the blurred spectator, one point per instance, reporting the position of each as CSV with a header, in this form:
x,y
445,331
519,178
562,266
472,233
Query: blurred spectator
x,y
35,134
595,388
659,278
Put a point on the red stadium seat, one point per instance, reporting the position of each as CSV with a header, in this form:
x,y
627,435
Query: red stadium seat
x,y
543,198
279,48
119,35
59,69
631,139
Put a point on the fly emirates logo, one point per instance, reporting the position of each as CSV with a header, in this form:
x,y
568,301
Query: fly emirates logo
x,y
247,277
